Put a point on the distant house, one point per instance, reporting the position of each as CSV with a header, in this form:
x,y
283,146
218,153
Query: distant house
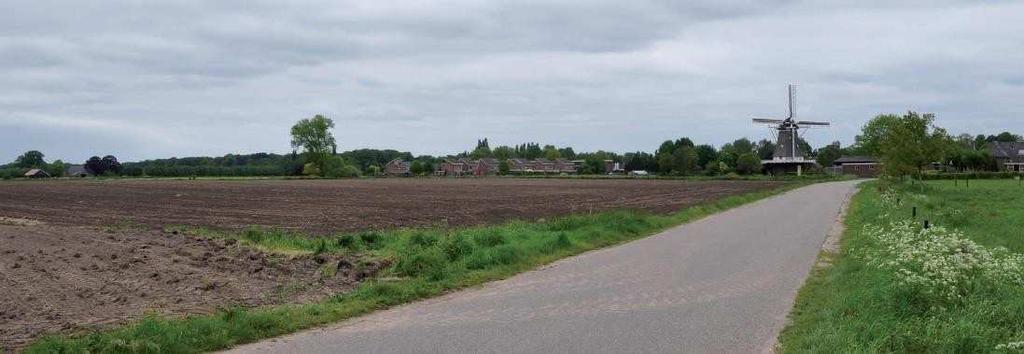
x,y
453,168
484,167
78,171
523,166
463,167
36,173
398,167
1009,155
860,166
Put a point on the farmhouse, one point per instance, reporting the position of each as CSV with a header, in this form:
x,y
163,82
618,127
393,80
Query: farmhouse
x,y
36,173
78,171
522,166
860,166
1009,155
397,167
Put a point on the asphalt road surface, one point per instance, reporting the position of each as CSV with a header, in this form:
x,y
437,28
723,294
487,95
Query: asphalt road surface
x,y
723,284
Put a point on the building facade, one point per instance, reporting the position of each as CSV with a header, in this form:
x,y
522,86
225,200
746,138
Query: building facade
x,y
1008,155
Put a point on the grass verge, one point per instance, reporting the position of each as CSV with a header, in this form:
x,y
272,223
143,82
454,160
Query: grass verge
x,y
424,263
897,287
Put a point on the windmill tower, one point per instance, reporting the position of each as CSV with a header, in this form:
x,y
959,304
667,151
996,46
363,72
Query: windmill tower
x,y
788,158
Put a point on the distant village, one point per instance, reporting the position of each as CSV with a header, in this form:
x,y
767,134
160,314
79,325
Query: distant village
x,y
492,166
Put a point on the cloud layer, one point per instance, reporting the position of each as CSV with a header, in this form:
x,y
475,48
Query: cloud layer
x,y
146,79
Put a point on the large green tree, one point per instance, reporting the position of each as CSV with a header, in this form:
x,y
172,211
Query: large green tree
x,y
748,163
315,137
869,141
829,154
30,159
906,144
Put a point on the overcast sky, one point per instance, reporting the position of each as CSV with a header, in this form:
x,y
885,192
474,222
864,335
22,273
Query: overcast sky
x,y
152,79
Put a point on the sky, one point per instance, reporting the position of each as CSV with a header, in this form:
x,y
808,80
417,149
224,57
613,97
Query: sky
x,y
156,79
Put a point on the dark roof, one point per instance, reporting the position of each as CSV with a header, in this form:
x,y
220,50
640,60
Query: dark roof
x,y
1006,149
855,159
36,172
75,170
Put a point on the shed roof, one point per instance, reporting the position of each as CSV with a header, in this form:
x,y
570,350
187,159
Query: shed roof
x,y
855,159
1010,150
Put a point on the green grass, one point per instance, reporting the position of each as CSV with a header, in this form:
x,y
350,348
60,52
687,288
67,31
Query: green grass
x,y
991,211
855,306
424,263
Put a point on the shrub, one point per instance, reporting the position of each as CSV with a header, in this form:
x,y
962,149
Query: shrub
x,y
490,239
371,239
254,235
500,255
422,239
457,246
430,262
346,241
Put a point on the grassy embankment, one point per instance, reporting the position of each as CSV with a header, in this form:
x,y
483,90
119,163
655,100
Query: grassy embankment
x,y
425,263
894,287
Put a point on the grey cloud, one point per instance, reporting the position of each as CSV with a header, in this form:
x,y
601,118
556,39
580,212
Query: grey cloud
x,y
177,78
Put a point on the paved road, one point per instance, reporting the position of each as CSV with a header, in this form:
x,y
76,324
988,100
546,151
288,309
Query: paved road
x,y
721,284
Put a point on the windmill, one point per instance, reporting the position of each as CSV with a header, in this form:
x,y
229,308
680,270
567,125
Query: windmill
x,y
788,157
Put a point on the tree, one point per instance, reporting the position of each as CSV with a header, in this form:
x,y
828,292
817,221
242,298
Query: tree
x,y
742,146
314,136
911,142
829,154
373,170
30,159
706,154
640,160
482,150
416,168
95,165
110,165
567,153
551,152
338,167
311,169
713,168
874,132
504,168
57,168
592,165
766,149
503,152
684,160
748,163
1005,137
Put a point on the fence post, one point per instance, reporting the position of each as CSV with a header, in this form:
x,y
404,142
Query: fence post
x,y
926,225
913,213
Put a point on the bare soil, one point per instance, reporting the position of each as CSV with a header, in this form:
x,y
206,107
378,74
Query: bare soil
x,y
82,255
325,206
69,279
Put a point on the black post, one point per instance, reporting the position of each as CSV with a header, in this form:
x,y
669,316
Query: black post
x,y
914,212
926,225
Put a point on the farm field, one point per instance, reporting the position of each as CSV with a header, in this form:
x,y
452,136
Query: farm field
x,y
79,256
326,206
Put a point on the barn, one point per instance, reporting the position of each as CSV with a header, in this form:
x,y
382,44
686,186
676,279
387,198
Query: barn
x,y
36,173
860,166
398,167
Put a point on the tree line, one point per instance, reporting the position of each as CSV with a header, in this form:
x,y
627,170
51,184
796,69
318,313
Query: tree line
x,y
905,144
